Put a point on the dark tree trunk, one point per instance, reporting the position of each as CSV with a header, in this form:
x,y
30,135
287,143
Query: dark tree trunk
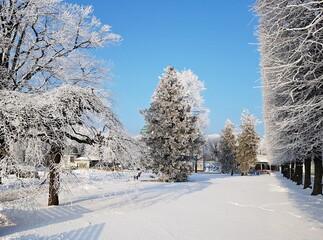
x,y
195,166
231,172
287,170
299,173
307,177
292,171
284,170
54,176
317,187
2,152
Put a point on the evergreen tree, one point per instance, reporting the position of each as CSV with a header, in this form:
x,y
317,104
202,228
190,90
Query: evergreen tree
x,y
172,133
248,141
228,148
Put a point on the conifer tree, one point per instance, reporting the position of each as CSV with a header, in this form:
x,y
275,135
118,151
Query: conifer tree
x,y
228,148
248,141
172,133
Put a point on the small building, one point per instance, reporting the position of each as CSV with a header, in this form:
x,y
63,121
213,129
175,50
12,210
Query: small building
x,y
70,155
72,159
263,166
86,162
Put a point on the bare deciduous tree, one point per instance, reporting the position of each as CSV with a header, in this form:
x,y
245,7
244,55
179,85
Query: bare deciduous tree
x,y
290,34
45,72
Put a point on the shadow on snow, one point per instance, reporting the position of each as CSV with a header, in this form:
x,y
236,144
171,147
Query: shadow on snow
x,y
89,233
25,220
310,206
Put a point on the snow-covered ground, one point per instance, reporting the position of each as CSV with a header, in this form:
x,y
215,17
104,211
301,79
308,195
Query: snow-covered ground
x,y
210,206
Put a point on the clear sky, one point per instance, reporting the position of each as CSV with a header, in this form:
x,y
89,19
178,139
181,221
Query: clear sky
x,y
215,39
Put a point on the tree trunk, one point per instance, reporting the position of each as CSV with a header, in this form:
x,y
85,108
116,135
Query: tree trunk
x,y
292,171
307,177
54,176
284,170
195,165
231,172
317,187
299,173
287,170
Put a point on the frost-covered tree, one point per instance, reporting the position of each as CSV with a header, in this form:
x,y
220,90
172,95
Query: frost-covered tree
x,y
290,34
44,45
193,87
248,141
227,148
172,132
211,148
57,118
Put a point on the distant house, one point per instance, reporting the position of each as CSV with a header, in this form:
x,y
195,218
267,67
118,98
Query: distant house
x,y
86,162
69,157
72,159
263,166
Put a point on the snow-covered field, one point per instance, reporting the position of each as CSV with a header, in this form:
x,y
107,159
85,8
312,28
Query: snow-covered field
x,y
210,206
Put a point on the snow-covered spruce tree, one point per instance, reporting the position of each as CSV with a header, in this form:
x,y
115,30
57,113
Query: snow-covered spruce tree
x,y
248,141
172,131
227,148
43,44
193,87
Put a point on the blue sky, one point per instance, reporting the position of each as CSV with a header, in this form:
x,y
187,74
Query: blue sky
x,y
215,39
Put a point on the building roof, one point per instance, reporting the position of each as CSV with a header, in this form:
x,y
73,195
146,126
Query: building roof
x,y
87,158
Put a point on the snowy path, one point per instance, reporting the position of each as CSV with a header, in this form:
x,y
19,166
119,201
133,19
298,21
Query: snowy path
x,y
209,207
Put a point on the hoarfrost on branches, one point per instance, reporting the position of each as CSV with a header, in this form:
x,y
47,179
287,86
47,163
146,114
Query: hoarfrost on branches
x,y
44,124
193,87
248,141
290,35
43,43
227,148
173,136
47,75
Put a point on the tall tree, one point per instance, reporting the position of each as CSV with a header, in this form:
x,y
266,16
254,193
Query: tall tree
x,y
193,87
228,148
44,45
172,130
248,142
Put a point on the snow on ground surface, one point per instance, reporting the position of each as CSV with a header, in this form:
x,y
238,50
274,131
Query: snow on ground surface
x,y
209,206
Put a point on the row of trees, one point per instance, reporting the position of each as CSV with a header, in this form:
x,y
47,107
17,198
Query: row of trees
x,y
174,131
291,35
239,151
49,86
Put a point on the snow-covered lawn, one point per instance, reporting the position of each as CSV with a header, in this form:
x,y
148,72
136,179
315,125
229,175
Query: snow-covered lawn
x,y
210,206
